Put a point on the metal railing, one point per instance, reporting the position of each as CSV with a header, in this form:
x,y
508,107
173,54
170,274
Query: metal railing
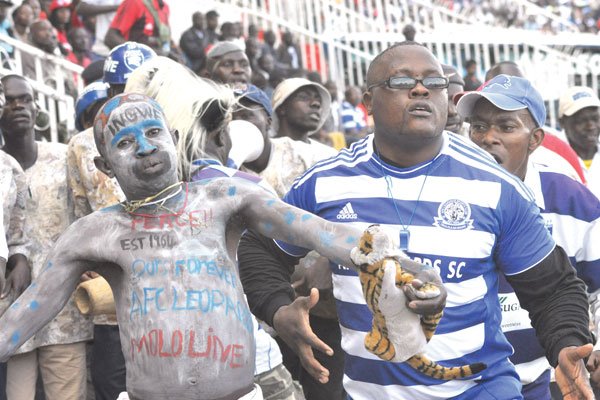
x,y
340,42
54,99
519,8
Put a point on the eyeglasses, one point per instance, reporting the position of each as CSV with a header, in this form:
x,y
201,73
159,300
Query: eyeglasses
x,y
406,82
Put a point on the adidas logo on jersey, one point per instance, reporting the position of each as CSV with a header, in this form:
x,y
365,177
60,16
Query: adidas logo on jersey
x,y
347,212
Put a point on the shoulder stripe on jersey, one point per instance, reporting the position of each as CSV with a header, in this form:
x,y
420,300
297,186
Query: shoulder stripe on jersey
x,y
466,156
362,155
484,156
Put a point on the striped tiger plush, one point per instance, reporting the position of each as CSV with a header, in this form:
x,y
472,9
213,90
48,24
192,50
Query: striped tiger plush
x,y
398,334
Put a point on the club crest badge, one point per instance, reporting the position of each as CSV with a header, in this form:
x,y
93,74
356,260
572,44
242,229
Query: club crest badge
x,y
133,58
454,214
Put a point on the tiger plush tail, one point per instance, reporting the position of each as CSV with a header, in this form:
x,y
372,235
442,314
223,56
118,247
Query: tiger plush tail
x,y
430,368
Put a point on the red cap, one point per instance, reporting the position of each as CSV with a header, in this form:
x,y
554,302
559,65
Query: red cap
x,y
457,96
59,4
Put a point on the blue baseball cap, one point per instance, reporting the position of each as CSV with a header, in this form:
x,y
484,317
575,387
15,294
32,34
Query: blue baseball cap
x,y
508,93
123,60
255,95
92,93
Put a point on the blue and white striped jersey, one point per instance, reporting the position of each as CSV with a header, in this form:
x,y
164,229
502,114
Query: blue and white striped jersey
x,y
472,221
572,215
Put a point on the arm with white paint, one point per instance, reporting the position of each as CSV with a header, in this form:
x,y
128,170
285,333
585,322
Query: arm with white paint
x,y
273,218
276,219
49,293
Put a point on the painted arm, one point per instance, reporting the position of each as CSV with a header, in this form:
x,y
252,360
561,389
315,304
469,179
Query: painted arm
x,y
47,295
275,219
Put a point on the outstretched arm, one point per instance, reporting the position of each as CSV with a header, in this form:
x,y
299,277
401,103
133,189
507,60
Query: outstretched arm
x,y
42,300
558,308
273,218
47,295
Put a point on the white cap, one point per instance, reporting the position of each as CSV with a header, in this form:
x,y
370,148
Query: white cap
x,y
287,87
577,98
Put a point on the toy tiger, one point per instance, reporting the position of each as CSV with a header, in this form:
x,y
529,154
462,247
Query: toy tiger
x,y
398,334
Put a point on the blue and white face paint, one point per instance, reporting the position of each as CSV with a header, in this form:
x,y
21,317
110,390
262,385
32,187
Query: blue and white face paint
x,y
136,144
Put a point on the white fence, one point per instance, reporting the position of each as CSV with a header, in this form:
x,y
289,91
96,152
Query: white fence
x,y
340,42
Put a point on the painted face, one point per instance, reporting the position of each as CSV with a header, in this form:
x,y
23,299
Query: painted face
x,y
583,128
506,135
455,121
303,108
138,147
20,110
233,68
409,113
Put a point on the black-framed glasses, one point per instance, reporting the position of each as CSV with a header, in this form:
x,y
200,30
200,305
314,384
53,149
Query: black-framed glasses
x,y
406,82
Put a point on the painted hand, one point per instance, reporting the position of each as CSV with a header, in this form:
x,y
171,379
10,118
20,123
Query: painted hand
x,y
18,280
292,325
571,375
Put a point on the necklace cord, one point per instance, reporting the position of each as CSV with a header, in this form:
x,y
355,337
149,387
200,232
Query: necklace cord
x,y
389,184
133,205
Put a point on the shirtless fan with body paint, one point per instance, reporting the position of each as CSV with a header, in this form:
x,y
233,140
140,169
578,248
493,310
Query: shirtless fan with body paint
x,y
185,325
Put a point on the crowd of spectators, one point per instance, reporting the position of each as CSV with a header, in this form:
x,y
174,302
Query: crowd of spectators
x,y
84,31
583,15
301,119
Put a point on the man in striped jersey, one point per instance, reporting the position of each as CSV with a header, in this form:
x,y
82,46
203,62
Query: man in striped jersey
x,y
506,121
452,207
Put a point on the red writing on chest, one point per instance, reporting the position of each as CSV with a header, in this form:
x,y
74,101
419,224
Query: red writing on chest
x,y
187,344
191,219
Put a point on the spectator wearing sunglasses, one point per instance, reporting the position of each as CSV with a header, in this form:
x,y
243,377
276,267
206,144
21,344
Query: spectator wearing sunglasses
x,y
452,207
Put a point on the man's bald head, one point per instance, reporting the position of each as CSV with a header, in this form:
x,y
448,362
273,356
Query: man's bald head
x,y
43,36
382,59
510,68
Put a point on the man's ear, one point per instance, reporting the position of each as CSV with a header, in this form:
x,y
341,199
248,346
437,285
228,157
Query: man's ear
x,y
366,98
104,166
175,136
536,139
